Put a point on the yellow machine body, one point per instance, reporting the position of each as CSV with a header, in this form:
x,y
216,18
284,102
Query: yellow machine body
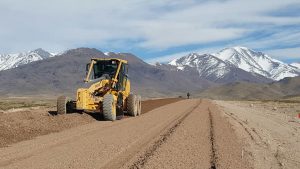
x,y
91,98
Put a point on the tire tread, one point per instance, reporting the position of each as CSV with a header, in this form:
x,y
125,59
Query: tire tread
x,y
131,105
107,108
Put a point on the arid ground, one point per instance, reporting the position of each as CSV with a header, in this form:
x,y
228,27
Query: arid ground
x,y
170,133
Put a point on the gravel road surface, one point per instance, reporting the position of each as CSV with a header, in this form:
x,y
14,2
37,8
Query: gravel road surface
x,y
185,134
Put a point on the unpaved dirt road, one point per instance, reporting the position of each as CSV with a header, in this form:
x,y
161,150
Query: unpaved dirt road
x,y
271,131
185,134
27,123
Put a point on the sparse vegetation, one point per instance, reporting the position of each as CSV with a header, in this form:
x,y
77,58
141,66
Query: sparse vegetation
x,y
15,104
283,100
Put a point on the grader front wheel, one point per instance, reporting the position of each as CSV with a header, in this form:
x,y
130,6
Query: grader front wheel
x,y
132,108
62,107
109,107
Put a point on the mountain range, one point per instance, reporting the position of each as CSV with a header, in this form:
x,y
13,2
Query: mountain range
x,y
228,65
235,60
9,61
228,72
64,73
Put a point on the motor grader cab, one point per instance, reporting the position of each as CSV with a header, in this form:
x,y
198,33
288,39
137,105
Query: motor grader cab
x,y
108,91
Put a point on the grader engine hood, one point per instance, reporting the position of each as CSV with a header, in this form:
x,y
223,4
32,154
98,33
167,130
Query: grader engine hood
x,y
89,98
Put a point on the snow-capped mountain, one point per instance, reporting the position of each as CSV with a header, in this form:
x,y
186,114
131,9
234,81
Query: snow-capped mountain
x,y
207,65
9,61
238,57
257,62
295,65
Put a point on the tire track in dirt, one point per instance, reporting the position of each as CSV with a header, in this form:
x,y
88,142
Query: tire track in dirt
x,y
228,148
213,157
163,138
202,139
243,126
264,132
255,137
187,147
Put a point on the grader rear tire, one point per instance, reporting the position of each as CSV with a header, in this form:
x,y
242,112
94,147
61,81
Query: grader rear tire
x,y
139,105
109,108
132,105
62,107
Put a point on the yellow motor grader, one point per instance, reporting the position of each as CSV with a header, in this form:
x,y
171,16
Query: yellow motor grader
x,y
108,91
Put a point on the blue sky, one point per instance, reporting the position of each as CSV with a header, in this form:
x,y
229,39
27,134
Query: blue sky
x,y
157,31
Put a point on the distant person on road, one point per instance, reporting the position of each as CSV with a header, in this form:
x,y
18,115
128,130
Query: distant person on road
x,y
188,95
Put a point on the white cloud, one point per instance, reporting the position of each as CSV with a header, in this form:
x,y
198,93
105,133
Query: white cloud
x,y
287,53
156,25
161,37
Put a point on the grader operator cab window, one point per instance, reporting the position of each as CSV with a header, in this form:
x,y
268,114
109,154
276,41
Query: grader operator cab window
x,y
104,68
107,69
